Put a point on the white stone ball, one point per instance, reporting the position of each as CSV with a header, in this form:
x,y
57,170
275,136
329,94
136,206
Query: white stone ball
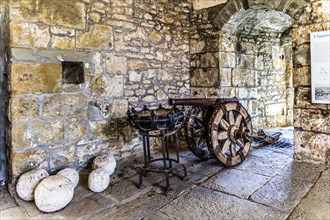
x,y
53,193
98,180
71,174
28,181
106,162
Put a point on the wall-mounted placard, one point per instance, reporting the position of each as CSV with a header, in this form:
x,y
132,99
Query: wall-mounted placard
x,y
320,66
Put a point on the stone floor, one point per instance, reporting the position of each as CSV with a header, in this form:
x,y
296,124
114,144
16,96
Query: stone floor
x,y
267,185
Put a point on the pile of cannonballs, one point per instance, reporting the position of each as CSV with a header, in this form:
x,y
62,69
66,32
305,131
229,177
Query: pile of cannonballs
x,y
52,193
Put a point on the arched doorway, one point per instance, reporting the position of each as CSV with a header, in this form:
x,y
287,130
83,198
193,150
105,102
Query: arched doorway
x,y
216,67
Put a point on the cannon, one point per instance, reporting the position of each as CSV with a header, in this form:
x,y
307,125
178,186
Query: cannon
x,y
220,128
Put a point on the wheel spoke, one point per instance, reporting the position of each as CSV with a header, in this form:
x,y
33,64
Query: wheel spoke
x,y
231,118
238,120
222,135
233,149
201,142
240,143
225,146
199,122
224,124
198,132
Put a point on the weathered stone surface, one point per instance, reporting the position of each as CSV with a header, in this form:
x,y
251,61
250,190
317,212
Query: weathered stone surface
x,y
29,34
276,109
119,108
138,64
71,174
320,11
107,162
207,77
27,183
312,119
316,204
53,193
269,166
24,108
63,43
37,133
294,191
61,156
197,46
116,64
86,152
311,146
28,78
99,37
68,14
64,105
239,183
76,129
23,161
303,171
188,206
302,76
98,180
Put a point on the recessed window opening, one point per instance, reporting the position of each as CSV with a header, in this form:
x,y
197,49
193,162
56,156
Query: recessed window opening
x,y
72,72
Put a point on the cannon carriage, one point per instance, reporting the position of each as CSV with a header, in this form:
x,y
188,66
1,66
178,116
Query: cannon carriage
x,y
220,128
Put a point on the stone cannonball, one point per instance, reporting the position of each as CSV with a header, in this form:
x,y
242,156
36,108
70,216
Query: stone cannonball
x,y
28,181
106,162
53,193
98,180
71,174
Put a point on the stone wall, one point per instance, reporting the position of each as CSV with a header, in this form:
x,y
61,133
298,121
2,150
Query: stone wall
x,y
253,68
134,52
311,121
204,50
244,60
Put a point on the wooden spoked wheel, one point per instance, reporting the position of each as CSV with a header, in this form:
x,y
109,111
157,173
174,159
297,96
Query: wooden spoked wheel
x,y
196,131
230,129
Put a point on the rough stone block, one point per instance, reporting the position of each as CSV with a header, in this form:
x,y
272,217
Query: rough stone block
x,y
197,46
205,77
301,55
275,109
75,128
311,146
86,153
62,157
320,11
65,13
99,37
23,161
64,105
209,60
63,43
302,76
116,64
138,64
225,76
28,78
114,86
29,34
24,108
313,119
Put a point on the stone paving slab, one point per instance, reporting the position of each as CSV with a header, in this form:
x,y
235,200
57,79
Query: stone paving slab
x,y
302,170
145,204
282,192
127,190
269,165
6,201
316,205
201,203
204,170
236,182
12,213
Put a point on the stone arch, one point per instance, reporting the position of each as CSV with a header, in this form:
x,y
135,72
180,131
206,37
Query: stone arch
x,y
290,8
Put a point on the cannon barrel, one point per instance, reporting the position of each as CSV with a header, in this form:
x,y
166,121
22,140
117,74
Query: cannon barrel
x,y
201,102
